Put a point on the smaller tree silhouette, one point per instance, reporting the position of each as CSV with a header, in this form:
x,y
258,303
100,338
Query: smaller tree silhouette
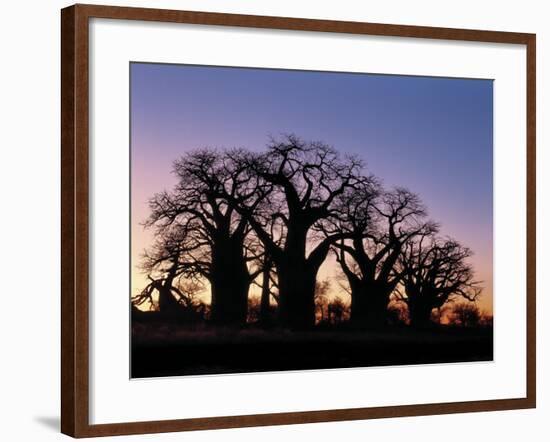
x,y
465,314
322,289
338,311
167,264
397,314
434,272
263,263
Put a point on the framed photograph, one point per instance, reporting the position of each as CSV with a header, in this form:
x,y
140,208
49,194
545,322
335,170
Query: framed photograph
x,y
273,220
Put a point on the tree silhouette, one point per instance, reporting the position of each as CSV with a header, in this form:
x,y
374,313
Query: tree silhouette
x,y
305,179
165,263
266,291
337,311
379,224
435,271
270,218
465,314
218,234
322,289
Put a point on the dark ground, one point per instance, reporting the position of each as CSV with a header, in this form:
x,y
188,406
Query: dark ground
x,y
162,350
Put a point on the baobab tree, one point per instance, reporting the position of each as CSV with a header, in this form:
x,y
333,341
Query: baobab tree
x,y
435,271
378,224
166,263
305,178
218,230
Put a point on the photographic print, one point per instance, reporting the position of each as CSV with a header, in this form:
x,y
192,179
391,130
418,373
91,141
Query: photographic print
x,y
300,220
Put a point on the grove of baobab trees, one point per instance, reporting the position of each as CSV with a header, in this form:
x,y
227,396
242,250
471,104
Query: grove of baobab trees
x,y
272,218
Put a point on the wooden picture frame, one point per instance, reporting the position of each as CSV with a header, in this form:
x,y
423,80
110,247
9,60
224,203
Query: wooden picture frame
x,y
75,219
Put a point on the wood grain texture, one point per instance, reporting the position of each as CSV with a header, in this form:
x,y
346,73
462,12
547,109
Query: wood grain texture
x,y
75,219
531,251
67,222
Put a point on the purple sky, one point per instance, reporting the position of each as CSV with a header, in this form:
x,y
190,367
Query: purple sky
x,y
432,135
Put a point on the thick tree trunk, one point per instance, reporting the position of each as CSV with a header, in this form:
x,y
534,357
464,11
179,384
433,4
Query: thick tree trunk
x,y
296,281
369,306
420,314
230,283
168,306
296,295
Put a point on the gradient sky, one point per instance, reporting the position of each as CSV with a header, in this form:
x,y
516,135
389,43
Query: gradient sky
x,y
432,135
